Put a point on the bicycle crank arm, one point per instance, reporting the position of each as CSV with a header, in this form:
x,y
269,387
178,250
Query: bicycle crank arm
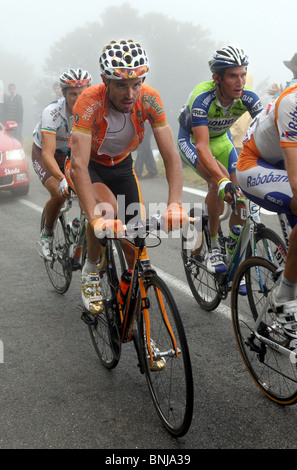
x,y
290,354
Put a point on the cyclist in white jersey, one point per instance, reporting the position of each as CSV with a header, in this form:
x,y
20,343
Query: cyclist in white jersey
x,y
50,148
266,173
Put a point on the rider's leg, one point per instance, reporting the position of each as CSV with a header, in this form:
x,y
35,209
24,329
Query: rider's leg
x,y
54,204
290,271
107,208
215,205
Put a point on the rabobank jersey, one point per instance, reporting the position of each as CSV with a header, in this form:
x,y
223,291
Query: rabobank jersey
x,y
55,120
204,109
275,127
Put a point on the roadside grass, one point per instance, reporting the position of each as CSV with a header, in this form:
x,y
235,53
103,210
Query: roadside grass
x,y
190,176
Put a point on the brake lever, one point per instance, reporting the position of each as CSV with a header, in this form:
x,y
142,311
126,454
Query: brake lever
x,y
232,190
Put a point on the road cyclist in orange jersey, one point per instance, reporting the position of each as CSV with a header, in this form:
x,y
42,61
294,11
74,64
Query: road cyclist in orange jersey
x,y
108,125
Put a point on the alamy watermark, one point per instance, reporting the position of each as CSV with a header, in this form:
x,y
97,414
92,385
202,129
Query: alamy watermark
x,y
191,232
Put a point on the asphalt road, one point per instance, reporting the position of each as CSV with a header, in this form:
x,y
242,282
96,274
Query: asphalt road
x,y
56,395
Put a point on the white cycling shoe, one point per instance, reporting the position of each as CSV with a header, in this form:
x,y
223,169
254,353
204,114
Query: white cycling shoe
x,y
286,314
46,244
215,262
91,293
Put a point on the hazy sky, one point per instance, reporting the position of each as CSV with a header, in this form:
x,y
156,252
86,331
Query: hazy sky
x,y
265,30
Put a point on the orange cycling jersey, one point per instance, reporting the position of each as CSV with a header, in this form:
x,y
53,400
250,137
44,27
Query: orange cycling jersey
x,y
90,117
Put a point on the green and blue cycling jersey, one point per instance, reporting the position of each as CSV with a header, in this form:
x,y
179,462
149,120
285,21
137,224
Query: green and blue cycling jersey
x,y
204,109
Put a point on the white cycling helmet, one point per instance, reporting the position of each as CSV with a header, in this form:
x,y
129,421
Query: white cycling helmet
x,y
226,58
123,59
75,78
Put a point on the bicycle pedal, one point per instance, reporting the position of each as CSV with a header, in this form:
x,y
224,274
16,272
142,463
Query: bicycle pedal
x,y
76,266
88,319
158,365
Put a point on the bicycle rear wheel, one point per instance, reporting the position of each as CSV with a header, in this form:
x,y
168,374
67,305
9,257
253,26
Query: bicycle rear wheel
x,y
202,283
103,328
59,269
171,383
265,349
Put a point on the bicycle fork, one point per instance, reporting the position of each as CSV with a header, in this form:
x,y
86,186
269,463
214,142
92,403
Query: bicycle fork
x,y
145,311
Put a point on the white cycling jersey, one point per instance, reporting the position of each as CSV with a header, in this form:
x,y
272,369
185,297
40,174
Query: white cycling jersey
x,y
276,127
261,172
55,120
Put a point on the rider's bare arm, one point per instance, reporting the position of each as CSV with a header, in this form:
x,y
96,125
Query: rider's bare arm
x,y
80,157
201,136
48,155
172,162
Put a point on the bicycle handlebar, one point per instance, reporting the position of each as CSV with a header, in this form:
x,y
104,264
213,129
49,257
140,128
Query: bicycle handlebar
x,y
231,189
155,222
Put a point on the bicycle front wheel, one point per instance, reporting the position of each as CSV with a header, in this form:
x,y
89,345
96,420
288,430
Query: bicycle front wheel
x,y
59,269
165,357
265,349
269,246
202,283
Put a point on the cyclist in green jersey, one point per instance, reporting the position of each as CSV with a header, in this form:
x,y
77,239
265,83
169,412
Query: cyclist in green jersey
x,y
204,139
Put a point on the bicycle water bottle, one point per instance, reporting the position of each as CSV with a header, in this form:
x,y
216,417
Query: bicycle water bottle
x,y
233,237
74,228
124,286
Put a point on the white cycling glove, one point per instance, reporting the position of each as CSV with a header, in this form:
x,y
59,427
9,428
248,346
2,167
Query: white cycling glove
x,y
226,186
62,186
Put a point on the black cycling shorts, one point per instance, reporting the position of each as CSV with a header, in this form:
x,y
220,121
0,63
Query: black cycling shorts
x,y
122,181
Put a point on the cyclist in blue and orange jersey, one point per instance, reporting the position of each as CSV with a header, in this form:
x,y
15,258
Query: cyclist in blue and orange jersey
x,y
50,148
204,138
109,125
266,173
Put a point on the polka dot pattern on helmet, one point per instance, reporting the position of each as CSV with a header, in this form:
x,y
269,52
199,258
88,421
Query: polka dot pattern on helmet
x,y
123,59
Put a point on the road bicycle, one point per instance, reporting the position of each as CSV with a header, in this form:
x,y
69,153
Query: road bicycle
x,y
268,353
255,240
68,249
151,320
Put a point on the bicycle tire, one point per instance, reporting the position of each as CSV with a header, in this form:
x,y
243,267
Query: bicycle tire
x,y
171,388
274,373
202,283
275,251
59,269
103,328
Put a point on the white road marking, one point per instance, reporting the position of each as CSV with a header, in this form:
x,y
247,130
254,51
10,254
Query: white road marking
x,y
31,205
201,193
183,288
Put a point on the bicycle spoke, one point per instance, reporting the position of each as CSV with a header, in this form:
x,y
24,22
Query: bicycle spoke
x,y
59,269
201,282
166,358
104,329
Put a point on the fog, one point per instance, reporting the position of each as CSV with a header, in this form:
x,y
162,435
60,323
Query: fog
x,y
29,30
